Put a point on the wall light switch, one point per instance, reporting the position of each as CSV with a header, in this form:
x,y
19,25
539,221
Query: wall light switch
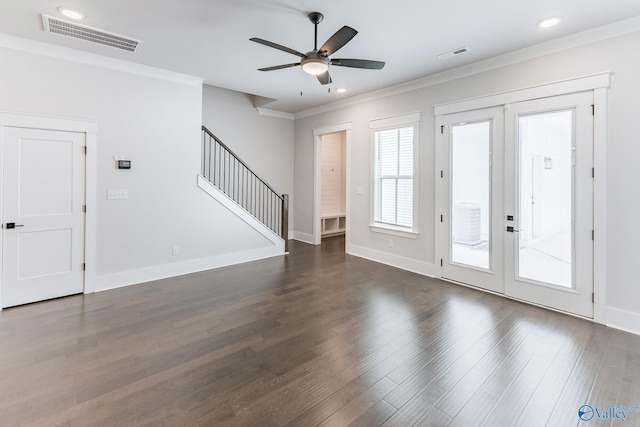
x,y
117,194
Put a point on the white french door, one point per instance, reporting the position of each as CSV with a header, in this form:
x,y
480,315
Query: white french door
x,y
472,179
517,193
549,192
42,205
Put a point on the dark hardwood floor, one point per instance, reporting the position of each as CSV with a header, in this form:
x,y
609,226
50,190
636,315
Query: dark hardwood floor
x,y
314,338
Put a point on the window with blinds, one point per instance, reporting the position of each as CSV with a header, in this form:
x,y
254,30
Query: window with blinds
x,y
393,180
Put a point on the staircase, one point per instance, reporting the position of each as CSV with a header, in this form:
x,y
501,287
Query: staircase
x,y
229,174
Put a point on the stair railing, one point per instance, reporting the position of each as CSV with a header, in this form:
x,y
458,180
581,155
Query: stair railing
x,y
225,170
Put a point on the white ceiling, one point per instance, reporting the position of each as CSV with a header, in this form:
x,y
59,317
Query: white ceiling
x,y
210,38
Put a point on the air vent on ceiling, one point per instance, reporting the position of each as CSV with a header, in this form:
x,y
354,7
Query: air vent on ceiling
x,y
94,35
454,52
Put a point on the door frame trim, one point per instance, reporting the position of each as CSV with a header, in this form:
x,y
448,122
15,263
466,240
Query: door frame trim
x,y
90,129
598,83
317,180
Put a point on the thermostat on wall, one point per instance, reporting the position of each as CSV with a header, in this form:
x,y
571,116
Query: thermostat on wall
x,y
124,164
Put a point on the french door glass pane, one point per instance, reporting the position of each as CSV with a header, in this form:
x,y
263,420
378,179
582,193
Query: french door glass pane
x,y
545,198
471,194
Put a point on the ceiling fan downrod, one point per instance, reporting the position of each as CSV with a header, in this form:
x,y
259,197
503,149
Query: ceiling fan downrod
x,y
315,18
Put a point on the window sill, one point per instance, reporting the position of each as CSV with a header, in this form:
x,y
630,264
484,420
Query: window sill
x,y
399,232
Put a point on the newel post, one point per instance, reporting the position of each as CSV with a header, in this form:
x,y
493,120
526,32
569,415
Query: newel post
x,y
284,233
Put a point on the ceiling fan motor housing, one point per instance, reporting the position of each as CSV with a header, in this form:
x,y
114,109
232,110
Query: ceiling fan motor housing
x,y
315,63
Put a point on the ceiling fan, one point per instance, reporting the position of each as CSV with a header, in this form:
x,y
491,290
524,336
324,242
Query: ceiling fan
x,y
317,61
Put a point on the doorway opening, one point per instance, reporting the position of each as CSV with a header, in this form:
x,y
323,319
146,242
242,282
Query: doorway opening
x,y
333,184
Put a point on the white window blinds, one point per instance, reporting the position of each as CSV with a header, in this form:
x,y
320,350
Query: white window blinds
x,y
393,204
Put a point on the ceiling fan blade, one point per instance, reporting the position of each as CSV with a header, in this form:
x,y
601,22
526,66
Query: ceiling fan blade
x,y
278,46
324,78
278,67
336,41
358,63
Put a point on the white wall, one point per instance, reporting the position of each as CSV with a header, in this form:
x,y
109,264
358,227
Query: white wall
x,y
264,143
623,151
333,174
155,123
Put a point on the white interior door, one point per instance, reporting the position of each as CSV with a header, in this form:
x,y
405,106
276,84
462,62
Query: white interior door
x,y
472,191
43,215
549,199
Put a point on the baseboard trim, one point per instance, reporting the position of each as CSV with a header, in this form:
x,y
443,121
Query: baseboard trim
x,y
409,264
303,237
149,274
623,320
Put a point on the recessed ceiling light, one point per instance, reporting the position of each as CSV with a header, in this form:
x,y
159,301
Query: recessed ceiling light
x,y
549,22
341,90
71,13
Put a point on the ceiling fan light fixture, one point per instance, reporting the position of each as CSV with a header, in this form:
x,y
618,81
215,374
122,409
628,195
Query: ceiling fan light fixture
x,y
314,66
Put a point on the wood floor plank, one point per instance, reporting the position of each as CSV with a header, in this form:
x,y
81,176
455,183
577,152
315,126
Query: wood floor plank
x,y
318,337
580,383
374,416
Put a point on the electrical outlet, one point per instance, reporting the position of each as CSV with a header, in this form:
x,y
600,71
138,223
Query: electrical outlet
x,y
117,194
175,251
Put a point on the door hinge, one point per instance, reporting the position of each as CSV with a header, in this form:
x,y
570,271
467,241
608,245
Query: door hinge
x,y
84,208
441,174
593,297
593,109
593,172
593,235
84,266
441,263
441,129
85,150
441,218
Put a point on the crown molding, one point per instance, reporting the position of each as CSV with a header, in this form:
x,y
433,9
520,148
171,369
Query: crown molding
x,y
616,29
275,113
60,52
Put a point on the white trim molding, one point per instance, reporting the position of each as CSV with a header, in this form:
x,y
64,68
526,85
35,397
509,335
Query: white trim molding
x,y
149,274
303,237
409,264
623,320
274,113
317,179
394,231
395,121
563,87
60,52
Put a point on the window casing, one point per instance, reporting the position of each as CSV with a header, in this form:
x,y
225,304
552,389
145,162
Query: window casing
x,y
394,177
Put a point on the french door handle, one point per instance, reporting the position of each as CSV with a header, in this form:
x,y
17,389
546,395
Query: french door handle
x,y
10,225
